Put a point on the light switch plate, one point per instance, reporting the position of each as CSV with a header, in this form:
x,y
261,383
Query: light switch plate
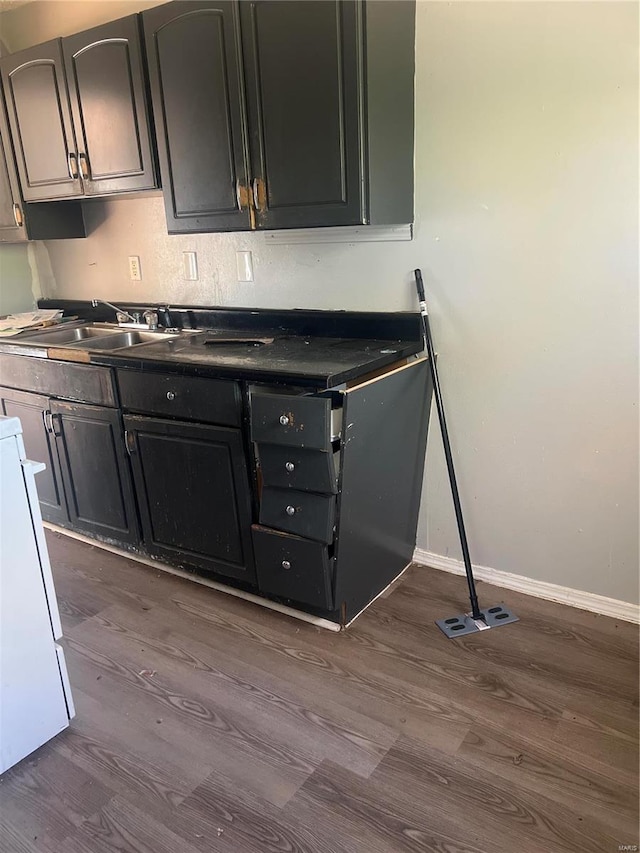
x,y
189,266
244,264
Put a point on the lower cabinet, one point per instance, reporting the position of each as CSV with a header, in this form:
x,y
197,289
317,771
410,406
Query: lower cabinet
x,y
95,471
40,443
169,473
193,494
341,481
86,484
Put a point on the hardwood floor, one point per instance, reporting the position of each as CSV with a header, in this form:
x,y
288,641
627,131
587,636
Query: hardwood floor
x,y
205,723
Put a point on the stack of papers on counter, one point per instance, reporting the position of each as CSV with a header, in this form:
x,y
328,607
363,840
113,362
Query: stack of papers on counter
x,y
13,324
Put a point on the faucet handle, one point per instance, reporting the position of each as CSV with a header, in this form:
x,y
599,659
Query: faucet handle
x,y
151,318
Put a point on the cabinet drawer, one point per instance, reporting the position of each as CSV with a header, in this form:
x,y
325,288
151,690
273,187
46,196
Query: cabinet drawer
x,y
293,568
302,513
85,383
294,421
215,401
299,468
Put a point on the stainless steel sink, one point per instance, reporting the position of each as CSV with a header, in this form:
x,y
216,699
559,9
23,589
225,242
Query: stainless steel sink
x,y
97,337
70,336
131,338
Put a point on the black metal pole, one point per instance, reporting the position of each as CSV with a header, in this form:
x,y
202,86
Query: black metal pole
x,y
473,598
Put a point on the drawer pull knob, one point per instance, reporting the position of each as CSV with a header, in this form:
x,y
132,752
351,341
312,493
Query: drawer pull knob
x,y
171,395
290,510
289,466
284,420
286,564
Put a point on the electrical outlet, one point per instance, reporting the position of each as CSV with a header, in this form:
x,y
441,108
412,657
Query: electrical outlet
x,y
135,272
189,266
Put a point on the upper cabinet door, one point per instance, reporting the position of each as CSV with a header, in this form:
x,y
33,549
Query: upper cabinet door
x,y
302,78
194,69
12,228
40,119
108,102
44,221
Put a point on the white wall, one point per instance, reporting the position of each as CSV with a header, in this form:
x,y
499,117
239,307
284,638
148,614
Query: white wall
x,y
527,230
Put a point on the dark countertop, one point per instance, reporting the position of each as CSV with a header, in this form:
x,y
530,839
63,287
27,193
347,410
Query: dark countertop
x,y
318,349
316,361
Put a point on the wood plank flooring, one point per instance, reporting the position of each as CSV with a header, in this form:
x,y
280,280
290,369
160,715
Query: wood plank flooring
x,y
205,723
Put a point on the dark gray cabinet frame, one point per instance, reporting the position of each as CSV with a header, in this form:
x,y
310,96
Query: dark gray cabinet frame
x,y
301,112
269,114
67,95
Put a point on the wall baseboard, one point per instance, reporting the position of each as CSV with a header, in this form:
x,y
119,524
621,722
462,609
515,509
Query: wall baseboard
x,y
540,589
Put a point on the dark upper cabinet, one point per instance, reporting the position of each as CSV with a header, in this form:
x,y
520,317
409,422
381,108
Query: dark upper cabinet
x,y
20,222
268,113
78,114
283,113
12,227
108,103
40,118
302,82
195,76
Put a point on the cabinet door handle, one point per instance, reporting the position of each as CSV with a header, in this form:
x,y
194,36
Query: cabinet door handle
x,y
290,510
17,216
286,565
259,194
289,466
84,166
46,417
242,195
171,395
54,419
129,442
72,163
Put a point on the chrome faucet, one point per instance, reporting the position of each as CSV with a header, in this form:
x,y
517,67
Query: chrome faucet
x,y
151,318
121,315
148,318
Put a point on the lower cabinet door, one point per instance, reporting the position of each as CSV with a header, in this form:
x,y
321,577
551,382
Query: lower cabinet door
x,y
193,493
95,471
40,445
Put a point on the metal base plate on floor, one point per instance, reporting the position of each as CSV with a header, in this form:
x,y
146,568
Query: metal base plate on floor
x,y
493,617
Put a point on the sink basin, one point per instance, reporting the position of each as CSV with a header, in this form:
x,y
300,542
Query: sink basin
x,y
70,336
130,338
97,337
